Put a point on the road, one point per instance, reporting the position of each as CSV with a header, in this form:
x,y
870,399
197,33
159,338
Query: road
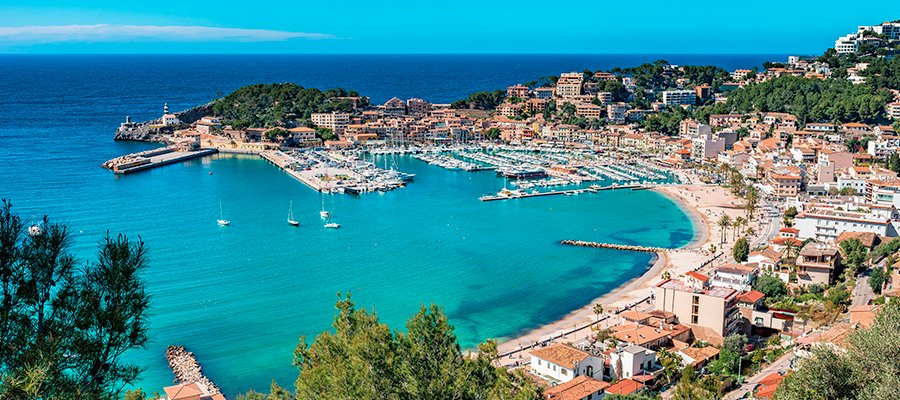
x,y
862,292
781,364
770,220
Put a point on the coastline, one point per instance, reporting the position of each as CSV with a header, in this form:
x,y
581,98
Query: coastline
x,y
676,261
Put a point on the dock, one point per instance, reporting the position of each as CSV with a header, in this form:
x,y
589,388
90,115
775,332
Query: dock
x,y
187,370
523,195
150,159
628,247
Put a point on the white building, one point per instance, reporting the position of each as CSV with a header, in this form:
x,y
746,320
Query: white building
x,y
335,121
615,113
167,118
825,222
847,44
561,363
735,276
671,97
634,360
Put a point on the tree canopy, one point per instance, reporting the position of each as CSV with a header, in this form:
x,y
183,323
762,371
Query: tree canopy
x,y
363,359
870,369
64,326
277,104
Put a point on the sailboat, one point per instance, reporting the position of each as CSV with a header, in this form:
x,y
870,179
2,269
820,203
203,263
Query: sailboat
x,y
324,214
222,221
290,219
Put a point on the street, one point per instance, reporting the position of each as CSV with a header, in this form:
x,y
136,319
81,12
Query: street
x,y
781,364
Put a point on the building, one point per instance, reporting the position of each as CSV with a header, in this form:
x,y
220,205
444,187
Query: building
x,y
561,363
735,276
818,263
416,106
825,222
679,97
711,312
570,84
893,110
785,183
520,91
615,113
168,118
634,361
335,121
847,44
580,388
624,387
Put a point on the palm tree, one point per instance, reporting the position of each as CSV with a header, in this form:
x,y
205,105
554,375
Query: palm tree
x,y
750,231
724,223
598,309
790,250
739,222
752,201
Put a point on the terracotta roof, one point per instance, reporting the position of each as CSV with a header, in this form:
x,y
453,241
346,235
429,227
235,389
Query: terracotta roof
x,y
868,239
750,297
700,354
576,389
698,276
561,354
783,241
625,386
768,386
188,391
634,315
789,230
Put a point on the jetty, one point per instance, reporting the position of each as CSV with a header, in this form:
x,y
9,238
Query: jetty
x,y
187,370
150,159
519,194
613,246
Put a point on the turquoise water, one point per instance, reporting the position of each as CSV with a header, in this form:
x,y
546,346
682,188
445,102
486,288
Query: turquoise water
x,y
241,296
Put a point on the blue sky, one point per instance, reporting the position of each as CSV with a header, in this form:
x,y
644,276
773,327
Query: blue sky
x,y
402,26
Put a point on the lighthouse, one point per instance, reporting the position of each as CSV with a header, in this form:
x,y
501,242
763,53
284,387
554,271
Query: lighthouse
x,y
167,118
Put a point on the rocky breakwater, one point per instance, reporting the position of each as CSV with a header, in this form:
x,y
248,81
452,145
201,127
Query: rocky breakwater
x,y
613,246
155,131
187,369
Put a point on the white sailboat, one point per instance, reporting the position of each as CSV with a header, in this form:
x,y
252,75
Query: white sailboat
x,y
324,214
222,221
290,219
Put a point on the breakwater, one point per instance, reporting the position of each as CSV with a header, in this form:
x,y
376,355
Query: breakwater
x,y
613,246
187,369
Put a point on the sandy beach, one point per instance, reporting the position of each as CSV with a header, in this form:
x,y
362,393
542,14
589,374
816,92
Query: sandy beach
x,y
704,204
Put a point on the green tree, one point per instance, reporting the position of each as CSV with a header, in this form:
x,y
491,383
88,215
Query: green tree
x,y
275,393
690,388
868,370
670,362
854,254
63,327
325,134
362,358
770,285
735,342
876,279
741,250
724,223
492,133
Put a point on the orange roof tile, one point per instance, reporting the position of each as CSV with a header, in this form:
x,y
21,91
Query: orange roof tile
x,y
625,386
561,354
576,389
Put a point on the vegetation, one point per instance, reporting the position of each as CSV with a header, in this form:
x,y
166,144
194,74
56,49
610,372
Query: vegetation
x,y
278,104
362,358
770,286
741,250
667,122
486,100
854,254
64,326
868,370
810,100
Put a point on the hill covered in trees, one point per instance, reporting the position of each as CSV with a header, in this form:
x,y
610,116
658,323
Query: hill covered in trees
x,y
279,104
811,100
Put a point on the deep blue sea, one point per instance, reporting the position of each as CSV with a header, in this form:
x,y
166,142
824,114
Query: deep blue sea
x,y
241,296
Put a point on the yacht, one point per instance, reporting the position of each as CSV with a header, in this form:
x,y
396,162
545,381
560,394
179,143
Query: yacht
x,y
332,225
290,219
324,214
222,221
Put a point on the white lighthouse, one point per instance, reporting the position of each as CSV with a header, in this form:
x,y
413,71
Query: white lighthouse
x,y
169,119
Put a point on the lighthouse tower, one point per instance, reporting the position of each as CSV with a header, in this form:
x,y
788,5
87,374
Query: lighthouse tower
x,y
167,118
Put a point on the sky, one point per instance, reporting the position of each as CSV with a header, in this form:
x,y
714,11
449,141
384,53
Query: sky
x,y
460,26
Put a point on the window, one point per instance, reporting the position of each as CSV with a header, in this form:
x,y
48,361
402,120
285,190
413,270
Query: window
x,y
693,319
696,309
565,371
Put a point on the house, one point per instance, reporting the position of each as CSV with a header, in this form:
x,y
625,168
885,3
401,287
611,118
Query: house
x,y
561,363
818,263
697,357
580,388
634,360
767,387
653,337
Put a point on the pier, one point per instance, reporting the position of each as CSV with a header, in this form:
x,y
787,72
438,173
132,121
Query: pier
x,y
510,194
613,246
150,159
187,370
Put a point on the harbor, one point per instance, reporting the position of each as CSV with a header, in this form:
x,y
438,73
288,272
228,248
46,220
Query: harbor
x,y
150,159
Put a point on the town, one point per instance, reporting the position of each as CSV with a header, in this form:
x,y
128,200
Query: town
x,y
800,199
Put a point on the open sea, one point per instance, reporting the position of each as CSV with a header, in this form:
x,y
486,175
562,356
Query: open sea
x,y
241,296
